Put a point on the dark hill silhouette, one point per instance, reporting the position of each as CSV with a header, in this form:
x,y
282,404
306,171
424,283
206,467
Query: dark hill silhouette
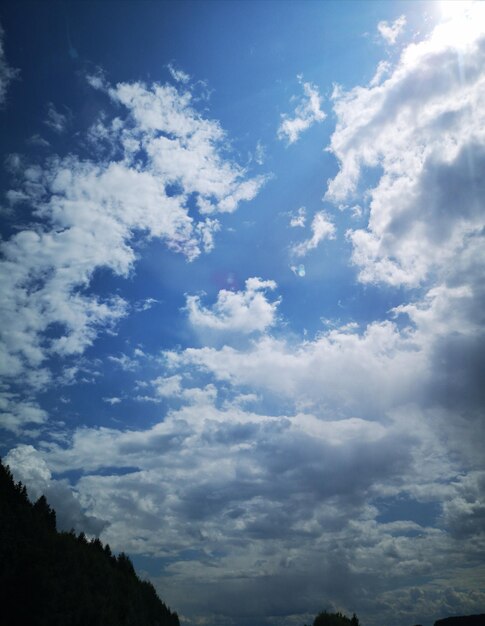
x,y
338,619
465,620
335,619
50,578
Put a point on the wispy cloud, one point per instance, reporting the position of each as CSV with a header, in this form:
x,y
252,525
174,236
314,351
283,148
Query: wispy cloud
x,y
177,74
56,120
322,228
298,218
307,112
391,31
7,73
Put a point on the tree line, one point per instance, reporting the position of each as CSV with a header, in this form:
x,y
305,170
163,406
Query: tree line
x,y
50,578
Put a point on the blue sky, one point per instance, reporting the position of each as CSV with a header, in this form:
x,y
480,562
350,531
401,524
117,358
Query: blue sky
x,y
242,314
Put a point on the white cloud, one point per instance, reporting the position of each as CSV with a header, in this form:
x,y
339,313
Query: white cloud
x,y
307,112
298,270
423,127
322,228
114,400
358,422
178,75
381,72
236,311
28,466
167,386
340,372
390,32
125,362
431,357
185,149
88,211
7,73
20,414
298,219
242,488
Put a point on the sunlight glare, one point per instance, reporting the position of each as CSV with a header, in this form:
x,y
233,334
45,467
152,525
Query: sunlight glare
x,y
460,21
452,9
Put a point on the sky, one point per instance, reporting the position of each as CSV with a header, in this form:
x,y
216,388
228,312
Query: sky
x,y
242,315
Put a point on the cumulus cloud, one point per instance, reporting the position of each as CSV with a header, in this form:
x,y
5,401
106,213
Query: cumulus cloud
x,y
89,210
338,372
307,112
422,129
322,228
167,386
391,31
28,466
236,311
271,500
19,414
464,511
246,466
430,358
276,501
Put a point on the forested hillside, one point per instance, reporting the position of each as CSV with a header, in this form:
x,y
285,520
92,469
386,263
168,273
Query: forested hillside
x,y
49,578
464,620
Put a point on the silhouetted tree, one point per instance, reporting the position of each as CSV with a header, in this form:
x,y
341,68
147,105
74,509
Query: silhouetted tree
x,y
45,512
60,579
335,619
